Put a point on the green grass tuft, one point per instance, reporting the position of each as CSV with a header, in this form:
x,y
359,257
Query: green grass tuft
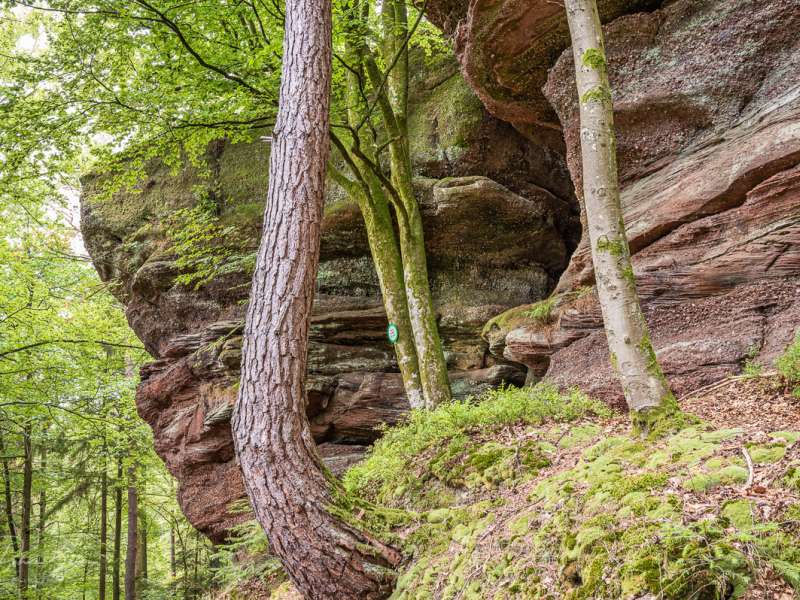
x,y
789,365
385,475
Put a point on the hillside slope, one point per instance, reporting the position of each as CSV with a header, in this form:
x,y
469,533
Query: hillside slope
x,y
535,494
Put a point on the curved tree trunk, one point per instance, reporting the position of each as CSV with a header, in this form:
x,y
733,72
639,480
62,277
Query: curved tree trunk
x,y
299,504
646,390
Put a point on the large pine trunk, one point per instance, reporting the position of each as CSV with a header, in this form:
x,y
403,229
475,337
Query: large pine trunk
x,y
645,388
293,496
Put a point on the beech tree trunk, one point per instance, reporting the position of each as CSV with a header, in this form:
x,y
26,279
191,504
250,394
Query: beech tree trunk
x,y
298,502
373,202
130,553
394,107
103,566
27,505
40,574
141,551
117,551
9,507
646,390
172,569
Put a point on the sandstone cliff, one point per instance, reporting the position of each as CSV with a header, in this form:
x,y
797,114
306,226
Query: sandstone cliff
x,y
708,119
708,112
500,221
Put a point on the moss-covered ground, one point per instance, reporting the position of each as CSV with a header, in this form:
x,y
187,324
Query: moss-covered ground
x,y
532,493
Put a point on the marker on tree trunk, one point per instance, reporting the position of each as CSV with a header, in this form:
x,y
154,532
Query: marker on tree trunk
x,y
393,333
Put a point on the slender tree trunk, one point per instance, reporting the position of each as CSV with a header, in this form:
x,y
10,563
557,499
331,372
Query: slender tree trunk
x,y
141,552
101,586
130,554
115,567
85,585
9,508
430,354
41,528
172,564
196,557
414,312
27,503
293,495
389,267
433,365
185,576
646,390
368,192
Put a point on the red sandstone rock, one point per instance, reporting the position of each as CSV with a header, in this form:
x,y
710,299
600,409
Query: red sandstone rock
x,y
709,145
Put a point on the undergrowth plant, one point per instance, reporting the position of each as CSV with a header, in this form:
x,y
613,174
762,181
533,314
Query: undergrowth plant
x,y
386,469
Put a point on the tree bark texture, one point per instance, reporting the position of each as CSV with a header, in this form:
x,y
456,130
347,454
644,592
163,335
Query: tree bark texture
x,y
373,202
646,390
394,107
40,574
172,569
141,552
414,311
298,503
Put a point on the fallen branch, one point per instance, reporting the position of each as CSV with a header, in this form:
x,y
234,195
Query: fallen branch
x,y
722,383
46,342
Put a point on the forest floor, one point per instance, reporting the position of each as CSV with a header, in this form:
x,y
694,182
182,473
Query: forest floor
x,y
757,405
534,494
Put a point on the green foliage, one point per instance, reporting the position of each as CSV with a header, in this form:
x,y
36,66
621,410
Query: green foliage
x,y
67,364
542,312
752,369
205,248
789,365
245,556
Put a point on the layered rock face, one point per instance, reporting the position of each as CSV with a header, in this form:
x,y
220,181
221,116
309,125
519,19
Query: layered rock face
x,y
500,224
708,115
707,106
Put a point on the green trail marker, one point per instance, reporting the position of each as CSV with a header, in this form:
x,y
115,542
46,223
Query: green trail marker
x,y
392,332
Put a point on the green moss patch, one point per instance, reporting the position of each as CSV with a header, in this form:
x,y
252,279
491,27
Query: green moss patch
x,y
534,494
